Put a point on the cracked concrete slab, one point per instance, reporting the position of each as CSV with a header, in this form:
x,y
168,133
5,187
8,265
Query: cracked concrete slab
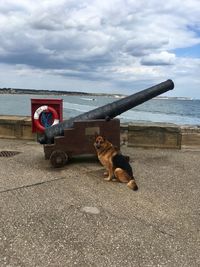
x,y
72,217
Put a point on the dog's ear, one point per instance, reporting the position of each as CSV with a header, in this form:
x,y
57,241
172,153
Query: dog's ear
x,y
103,137
96,134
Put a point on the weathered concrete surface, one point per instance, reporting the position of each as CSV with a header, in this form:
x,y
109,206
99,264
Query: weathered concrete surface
x,y
163,135
71,217
190,137
16,127
154,135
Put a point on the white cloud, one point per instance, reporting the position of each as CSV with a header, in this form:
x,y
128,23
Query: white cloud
x,y
119,42
162,58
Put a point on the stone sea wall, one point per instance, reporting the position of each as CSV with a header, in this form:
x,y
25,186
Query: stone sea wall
x,y
150,135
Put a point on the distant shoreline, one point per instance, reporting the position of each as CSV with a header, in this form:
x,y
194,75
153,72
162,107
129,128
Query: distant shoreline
x,y
17,91
14,91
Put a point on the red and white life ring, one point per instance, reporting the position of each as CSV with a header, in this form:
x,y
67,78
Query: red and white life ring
x,y
37,113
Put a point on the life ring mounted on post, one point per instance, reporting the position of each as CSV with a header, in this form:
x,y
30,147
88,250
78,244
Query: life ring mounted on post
x,y
38,113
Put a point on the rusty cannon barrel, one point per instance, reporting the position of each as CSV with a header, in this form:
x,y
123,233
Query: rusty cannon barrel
x,y
110,110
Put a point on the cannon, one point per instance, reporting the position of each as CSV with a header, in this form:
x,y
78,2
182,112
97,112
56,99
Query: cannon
x,y
75,137
108,111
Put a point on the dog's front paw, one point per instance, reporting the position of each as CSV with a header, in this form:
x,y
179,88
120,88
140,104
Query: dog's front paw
x,y
105,174
108,179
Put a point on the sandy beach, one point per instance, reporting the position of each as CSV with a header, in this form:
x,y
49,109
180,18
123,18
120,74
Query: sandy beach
x,y
71,217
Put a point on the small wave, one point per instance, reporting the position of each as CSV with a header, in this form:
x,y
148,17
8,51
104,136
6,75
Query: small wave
x,y
166,112
78,107
155,117
136,114
88,99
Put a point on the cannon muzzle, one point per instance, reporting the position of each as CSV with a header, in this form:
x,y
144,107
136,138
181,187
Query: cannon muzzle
x,y
110,110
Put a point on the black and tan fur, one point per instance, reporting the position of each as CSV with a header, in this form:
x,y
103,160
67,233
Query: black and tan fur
x,y
115,163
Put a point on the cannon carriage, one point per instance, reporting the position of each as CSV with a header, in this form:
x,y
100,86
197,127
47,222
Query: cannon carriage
x,y
79,140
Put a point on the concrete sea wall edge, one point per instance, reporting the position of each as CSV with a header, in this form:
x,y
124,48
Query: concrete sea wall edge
x,y
145,135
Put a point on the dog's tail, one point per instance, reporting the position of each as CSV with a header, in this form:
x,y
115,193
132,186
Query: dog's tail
x,y
132,185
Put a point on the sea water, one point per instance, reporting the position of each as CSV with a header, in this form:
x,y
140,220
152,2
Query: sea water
x,y
178,111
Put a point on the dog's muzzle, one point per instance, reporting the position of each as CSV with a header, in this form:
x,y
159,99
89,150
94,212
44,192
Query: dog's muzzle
x,y
97,146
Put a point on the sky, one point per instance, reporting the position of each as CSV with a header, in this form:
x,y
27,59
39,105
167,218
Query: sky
x,y
100,46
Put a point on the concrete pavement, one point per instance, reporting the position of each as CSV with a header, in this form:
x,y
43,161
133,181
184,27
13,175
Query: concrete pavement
x,y
71,217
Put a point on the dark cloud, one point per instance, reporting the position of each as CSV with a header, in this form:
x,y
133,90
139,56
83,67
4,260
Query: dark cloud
x,y
122,42
155,62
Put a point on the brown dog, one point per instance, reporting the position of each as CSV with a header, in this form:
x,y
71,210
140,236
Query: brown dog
x,y
115,163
